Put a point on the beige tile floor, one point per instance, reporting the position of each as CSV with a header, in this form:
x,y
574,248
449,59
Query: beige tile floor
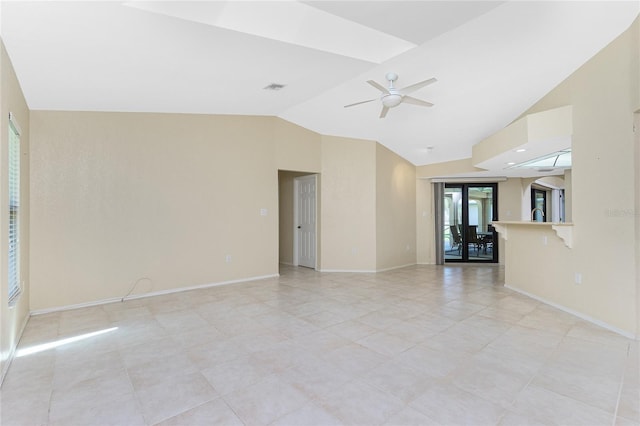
x,y
420,345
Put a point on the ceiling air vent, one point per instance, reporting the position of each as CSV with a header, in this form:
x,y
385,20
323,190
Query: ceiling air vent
x,y
275,86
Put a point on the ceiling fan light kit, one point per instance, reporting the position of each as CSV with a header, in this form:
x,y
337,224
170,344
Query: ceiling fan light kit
x,y
392,97
391,100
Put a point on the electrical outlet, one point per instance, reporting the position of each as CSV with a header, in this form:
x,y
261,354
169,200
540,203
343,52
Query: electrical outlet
x,y
544,240
227,258
578,278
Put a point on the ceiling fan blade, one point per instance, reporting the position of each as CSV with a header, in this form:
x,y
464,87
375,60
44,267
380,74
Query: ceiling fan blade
x,y
417,86
361,102
378,86
414,101
384,112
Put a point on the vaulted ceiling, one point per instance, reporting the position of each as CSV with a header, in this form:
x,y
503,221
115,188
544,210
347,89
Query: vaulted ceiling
x,y
492,59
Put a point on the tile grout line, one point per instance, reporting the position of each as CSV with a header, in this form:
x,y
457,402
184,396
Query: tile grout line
x,y
533,376
615,412
53,375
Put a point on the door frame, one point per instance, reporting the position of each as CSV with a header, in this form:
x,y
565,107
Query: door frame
x,y
296,184
464,187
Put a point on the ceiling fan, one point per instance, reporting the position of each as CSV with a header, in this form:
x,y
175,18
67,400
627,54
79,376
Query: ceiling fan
x,y
392,96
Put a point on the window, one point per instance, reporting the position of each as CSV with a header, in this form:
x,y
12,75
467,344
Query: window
x,y
538,205
14,210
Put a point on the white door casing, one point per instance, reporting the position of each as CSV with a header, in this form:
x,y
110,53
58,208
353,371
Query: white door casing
x,y
304,244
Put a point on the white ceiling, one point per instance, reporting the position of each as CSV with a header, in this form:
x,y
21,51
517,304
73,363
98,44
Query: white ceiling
x,y
493,60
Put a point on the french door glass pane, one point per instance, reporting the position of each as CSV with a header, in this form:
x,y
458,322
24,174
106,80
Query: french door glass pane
x,y
479,230
452,223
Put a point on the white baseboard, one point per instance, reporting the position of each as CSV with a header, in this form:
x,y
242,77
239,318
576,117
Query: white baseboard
x,y
580,315
396,267
150,294
75,306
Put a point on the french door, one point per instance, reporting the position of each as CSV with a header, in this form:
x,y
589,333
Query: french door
x,y
468,211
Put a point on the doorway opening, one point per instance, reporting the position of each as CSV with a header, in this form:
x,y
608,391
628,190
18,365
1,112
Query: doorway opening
x,y
298,218
468,212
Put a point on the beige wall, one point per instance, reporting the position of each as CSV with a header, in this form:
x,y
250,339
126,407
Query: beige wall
x,y
634,56
296,148
568,196
395,210
603,195
120,196
510,195
637,210
528,253
348,199
510,202
635,104
13,319
425,228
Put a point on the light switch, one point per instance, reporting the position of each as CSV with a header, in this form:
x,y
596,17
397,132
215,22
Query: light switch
x,y
263,212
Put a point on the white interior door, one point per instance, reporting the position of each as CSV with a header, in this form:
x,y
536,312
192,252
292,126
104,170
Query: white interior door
x,y
305,221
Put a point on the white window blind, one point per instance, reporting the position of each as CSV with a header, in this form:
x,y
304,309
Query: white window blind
x,y
14,210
